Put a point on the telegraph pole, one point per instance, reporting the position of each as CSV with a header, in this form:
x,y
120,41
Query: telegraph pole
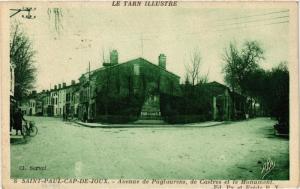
x,y
24,9
142,44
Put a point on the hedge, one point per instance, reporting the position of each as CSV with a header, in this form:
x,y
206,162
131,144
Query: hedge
x,y
115,119
177,119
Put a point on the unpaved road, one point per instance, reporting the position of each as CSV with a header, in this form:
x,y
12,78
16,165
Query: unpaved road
x,y
229,151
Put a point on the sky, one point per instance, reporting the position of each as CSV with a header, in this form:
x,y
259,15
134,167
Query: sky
x,y
87,33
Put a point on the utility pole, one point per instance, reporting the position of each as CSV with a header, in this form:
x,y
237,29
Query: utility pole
x,y
142,44
89,91
24,9
89,69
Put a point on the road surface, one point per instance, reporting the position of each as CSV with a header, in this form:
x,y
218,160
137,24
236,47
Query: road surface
x,y
228,151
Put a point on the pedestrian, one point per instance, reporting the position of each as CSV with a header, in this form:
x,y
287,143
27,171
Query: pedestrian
x,y
18,118
63,115
85,117
12,123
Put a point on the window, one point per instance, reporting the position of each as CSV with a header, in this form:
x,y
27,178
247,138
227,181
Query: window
x,y
136,69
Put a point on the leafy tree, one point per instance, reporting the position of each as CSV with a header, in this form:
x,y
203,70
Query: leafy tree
x,y
22,56
255,86
271,89
232,61
251,55
240,66
240,63
276,95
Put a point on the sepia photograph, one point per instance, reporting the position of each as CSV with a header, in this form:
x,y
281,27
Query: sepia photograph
x,y
162,90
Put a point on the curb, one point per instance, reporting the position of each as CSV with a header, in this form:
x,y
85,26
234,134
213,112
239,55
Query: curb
x,y
147,125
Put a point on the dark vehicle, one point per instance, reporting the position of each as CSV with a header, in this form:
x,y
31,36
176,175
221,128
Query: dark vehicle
x,y
281,129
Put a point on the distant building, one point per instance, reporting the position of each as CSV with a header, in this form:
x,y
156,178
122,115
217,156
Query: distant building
x,y
24,105
225,104
62,100
54,101
46,103
39,107
72,99
62,94
29,105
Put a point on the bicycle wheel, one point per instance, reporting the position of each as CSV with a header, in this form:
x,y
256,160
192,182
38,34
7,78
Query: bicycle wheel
x,y
24,130
33,131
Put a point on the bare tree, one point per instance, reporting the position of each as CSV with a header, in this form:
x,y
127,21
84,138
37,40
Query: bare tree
x,y
193,69
56,14
22,56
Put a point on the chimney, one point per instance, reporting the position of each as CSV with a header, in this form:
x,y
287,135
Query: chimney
x,y
162,61
55,87
114,57
59,86
73,82
64,84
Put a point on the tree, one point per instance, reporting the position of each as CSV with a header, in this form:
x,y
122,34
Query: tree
x,y
276,95
239,64
22,56
193,69
251,55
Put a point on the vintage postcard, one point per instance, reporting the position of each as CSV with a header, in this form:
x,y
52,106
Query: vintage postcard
x,y
149,94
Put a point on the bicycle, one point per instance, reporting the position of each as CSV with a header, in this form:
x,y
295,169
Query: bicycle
x,y
30,130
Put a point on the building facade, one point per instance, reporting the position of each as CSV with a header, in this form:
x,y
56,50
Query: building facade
x,y
120,80
59,101
225,104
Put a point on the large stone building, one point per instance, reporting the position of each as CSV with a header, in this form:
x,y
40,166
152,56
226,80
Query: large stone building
x,y
137,76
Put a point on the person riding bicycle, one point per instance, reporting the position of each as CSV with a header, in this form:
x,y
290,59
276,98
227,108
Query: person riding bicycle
x,y
18,118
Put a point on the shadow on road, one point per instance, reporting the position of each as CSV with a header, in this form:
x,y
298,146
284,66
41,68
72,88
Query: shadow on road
x,y
269,132
19,140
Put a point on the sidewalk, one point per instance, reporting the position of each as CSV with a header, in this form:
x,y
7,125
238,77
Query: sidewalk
x,y
17,139
135,125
